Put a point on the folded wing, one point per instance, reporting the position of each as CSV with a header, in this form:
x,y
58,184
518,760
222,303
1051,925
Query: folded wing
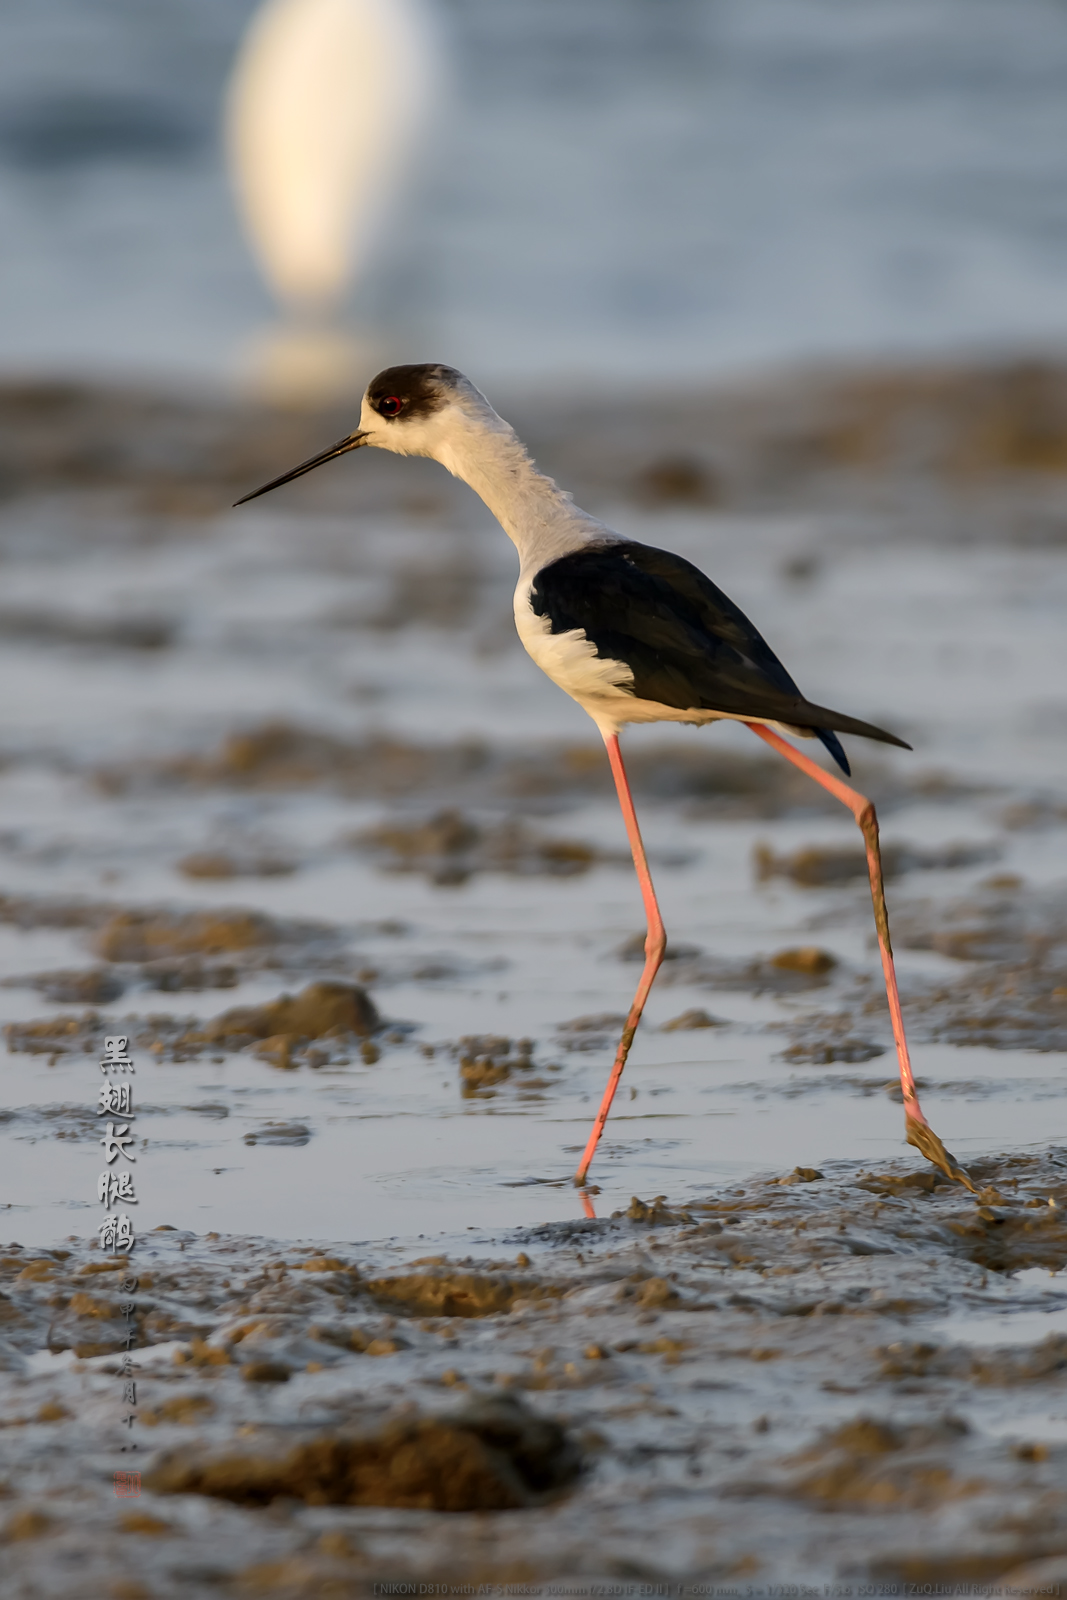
x,y
686,642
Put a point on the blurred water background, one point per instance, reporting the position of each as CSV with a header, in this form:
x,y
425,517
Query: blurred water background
x,y
635,189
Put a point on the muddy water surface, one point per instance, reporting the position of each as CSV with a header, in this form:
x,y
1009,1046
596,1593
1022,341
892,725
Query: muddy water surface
x,y
284,802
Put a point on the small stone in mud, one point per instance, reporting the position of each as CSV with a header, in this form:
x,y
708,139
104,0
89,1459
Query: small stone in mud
x,y
495,1456
807,959
691,1020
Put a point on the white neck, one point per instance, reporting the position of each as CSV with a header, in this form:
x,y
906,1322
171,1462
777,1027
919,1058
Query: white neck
x,y
540,519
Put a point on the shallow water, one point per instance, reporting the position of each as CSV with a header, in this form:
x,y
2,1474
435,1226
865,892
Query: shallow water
x,y
283,611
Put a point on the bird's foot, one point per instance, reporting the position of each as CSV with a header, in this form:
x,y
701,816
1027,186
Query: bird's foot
x,y
923,1137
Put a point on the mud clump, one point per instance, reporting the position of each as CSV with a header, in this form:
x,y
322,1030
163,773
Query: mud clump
x,y
55,1035
28,911
459,1294
1005,1368
786,972
171,977
216,864
486,1059
322,1010
824,1052
95,986
654,1214
871,1465
1033,1235
283,755
809,961
818,867
496,1456
690,1021
149,935
592,1032
826,1037
450,849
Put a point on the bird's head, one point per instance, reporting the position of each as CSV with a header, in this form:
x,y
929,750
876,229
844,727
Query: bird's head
x,y
422,410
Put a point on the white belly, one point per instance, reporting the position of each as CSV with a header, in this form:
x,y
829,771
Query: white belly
x,y
569,659
602,687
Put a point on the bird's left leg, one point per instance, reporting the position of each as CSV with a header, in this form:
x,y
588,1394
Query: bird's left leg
x,y
919,1132
655,945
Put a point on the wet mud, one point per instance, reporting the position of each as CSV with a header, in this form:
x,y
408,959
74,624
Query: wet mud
x,y
289,1395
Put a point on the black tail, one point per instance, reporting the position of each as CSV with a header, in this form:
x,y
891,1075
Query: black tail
x,y
836,749
836,719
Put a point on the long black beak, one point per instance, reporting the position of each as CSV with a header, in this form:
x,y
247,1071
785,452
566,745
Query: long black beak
x,y
353,442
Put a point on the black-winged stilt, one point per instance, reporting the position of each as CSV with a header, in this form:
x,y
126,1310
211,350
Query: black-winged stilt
x,y
633,634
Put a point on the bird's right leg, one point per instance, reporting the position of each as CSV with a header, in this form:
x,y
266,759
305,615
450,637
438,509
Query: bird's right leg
x,y
919,1132
655,945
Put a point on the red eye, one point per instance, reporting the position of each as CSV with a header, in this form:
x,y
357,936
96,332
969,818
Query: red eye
x,y
390,406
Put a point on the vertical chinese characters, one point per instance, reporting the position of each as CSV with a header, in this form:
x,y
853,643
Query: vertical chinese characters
x,y
115,1184
115,1187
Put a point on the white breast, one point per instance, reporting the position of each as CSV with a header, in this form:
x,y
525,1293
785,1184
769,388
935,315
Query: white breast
x,y
569,659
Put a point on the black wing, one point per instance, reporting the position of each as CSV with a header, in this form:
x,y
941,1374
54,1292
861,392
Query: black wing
x,y
686,642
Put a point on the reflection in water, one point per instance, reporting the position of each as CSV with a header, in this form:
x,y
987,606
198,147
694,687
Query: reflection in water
x,y
325,109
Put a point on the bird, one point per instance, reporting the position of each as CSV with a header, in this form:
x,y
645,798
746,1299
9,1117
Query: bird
x,y
325,109
634,634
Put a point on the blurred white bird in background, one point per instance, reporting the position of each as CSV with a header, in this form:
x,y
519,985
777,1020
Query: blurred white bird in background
x,y
325,113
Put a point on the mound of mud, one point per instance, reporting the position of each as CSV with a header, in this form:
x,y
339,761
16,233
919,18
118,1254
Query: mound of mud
x,y
495,1456
465,1294
321,1010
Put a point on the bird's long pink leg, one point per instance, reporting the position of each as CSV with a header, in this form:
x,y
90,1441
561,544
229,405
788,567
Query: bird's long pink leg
x,y
655,945
919,1131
